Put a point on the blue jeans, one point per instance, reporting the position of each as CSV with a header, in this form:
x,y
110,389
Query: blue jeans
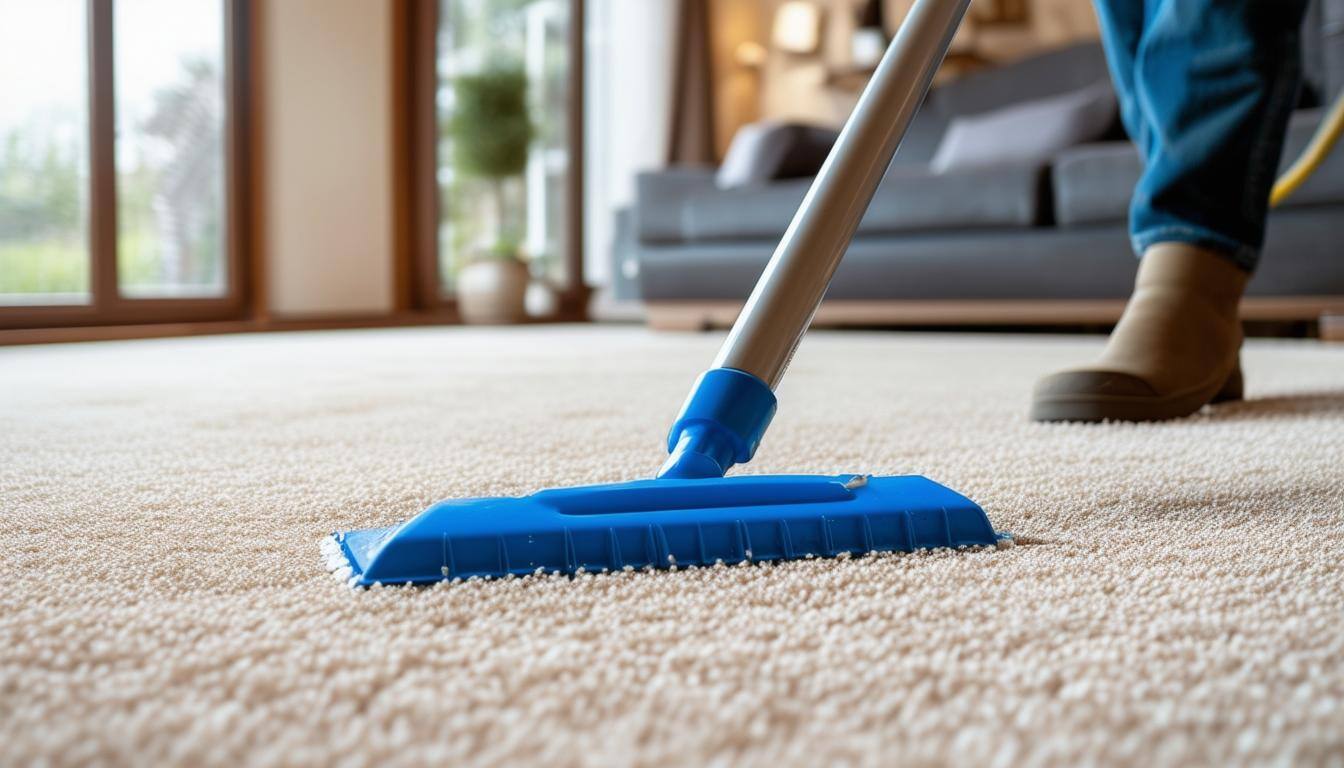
x,y
1205,89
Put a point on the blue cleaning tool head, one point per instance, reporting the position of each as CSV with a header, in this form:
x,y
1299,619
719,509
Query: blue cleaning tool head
x,y
660,524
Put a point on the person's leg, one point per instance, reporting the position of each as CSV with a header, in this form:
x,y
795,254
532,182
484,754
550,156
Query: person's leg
x,y
1122,23
1216,81
1213,84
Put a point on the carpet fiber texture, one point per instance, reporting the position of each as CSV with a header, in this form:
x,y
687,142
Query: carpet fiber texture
x,y
1176,595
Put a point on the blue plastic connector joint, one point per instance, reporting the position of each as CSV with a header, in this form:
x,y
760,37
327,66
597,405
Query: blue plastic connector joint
x,y
720,425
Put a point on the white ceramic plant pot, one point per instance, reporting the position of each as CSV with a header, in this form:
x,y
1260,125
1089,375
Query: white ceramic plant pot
x,y
493,292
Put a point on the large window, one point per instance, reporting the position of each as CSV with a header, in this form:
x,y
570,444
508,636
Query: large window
x,y
170,147
119,152
482,68
44,152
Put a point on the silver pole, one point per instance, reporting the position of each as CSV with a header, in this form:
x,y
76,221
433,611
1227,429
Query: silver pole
x,y
786,297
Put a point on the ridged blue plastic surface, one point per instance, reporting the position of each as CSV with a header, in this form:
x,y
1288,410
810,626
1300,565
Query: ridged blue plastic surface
x,y
661,523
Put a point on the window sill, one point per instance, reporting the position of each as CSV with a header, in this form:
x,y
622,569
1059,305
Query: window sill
x,y
68,334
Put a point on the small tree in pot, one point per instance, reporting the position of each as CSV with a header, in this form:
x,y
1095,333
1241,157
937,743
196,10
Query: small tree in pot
x,y
491,132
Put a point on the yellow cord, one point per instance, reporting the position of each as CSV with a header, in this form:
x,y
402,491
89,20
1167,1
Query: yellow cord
x,y
1311,158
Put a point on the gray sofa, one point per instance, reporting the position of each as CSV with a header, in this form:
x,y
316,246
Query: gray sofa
x,y
1021,242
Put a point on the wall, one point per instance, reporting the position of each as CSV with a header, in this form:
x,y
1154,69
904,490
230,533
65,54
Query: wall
x,y
326,219
324,150
736,86
794,88
1053,23
325,156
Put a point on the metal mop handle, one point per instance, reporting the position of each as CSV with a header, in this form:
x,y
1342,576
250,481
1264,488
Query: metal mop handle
x,y
788,293
731,404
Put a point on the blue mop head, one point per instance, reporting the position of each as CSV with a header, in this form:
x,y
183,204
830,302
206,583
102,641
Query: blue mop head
x,y
659,524
690,515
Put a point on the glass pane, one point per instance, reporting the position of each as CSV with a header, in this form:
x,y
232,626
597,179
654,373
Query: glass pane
x,y
170,147
44,254
503,102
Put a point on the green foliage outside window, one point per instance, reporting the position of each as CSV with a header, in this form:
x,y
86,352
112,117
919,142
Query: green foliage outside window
x,y
40,215
44,247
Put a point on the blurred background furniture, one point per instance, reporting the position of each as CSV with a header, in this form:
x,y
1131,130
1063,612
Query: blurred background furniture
x,y
193,187
1024,241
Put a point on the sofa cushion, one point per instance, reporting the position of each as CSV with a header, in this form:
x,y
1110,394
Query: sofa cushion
x,y
770,151
1313,56
1093,183
907,200
1030,130
1326,185
1332,49
660,195
1055,72
922,137
1301,258
1041,76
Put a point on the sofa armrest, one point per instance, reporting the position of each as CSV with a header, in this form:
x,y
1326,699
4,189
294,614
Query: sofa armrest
x,y
659,196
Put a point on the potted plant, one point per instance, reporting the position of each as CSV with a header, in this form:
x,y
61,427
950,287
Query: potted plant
x,y
491,132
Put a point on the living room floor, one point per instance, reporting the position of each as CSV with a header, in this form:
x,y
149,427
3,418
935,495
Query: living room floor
x,y
1176,593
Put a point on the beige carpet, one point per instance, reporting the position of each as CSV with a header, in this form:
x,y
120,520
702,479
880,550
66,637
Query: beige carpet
x,y
1177,596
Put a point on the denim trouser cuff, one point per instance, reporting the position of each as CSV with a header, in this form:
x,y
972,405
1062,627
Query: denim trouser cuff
x,y
1242,255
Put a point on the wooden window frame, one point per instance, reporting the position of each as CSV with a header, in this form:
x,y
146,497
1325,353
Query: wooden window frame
x,y
106,305
423,291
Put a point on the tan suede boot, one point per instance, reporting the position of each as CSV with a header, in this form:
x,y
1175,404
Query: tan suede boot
x,y
1174,350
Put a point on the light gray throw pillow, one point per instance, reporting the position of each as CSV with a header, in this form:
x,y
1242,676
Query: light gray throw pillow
x,y
1032,130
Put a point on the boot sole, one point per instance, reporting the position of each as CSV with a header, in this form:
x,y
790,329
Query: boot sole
x,y
1090,407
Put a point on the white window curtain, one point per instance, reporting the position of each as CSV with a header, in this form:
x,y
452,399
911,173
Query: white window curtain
x,y
628,81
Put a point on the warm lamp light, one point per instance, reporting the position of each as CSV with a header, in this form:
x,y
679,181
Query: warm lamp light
x,y
797,27
750,54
